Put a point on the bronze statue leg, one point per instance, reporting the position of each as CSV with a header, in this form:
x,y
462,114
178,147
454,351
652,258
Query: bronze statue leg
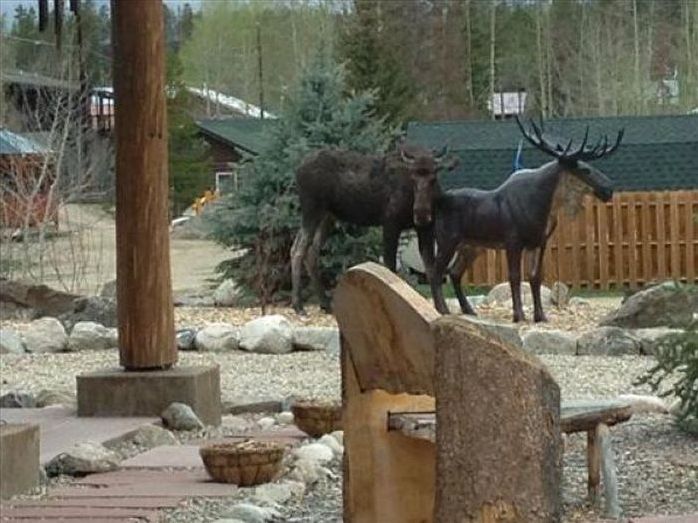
x,y
514,263
535,280
443,257
464,260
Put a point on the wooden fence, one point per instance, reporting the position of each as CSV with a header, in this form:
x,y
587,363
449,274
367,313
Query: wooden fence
x,y
636,238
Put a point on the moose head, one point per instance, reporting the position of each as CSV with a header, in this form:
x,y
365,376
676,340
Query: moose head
x,y
423,166
574,161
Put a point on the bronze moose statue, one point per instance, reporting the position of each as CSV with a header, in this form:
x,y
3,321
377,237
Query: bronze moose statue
x,y
519,215
394,191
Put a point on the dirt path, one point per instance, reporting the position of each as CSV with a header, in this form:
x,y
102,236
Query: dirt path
x,y
87,245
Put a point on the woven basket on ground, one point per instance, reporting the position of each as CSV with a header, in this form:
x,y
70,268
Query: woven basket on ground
x,y
316,419
244,463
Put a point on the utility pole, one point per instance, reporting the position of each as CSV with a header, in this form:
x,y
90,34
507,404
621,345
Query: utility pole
x,y
259,66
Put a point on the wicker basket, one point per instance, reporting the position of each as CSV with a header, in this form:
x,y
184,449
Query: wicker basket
x,y
316,419
244,463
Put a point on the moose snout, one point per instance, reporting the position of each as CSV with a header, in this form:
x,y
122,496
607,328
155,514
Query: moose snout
x,y
422,218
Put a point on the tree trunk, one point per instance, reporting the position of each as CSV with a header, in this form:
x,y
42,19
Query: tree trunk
x,y
639,98
541,60
469,50
493,41
144,294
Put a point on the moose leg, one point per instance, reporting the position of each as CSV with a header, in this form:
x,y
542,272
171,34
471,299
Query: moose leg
x,y
391,237
443,257
425,240
298,252
312,264
535,279
464,260
514,265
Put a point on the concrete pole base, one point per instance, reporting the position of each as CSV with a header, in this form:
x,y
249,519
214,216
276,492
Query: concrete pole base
x,y
116,392
19,458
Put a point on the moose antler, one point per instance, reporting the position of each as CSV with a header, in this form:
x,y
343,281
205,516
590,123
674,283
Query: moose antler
x,y
537,139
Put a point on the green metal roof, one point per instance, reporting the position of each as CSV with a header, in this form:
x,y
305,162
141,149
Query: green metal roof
x,y
657,153
13,143
247,134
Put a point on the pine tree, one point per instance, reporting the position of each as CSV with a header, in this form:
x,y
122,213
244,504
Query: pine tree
x,y
372,66
262,217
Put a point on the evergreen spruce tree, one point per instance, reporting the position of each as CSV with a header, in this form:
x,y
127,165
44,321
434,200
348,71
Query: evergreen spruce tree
x,y
263,216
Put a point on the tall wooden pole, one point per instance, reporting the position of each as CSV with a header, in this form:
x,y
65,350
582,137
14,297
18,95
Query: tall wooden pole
x,y
144,294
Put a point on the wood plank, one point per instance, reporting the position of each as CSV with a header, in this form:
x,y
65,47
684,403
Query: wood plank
x,y
674,236
589,242
632,258
690,214
593,467
618,240
645,215
574,226
603,233
491,261
661,238
608,468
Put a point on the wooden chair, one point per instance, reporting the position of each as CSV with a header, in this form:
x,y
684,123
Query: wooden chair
x,y
443,421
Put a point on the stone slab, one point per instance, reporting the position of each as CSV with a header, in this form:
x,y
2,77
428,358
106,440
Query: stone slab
x,y
115,392
666,519
88,513
19,458
142,503
60,428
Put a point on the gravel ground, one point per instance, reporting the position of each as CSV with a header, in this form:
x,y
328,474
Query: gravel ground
x,y
657,464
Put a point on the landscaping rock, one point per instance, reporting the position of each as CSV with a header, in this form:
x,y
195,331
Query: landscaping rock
x,y
273,493
194,300
227,294
560,294
501,295
17,400
266,423
252,405
83,458
186,339
236,424
608,341
650,339
47,398
284,418
314,452
250,513
339,436
506,332
45,335
332,444
217,337
93,308
108,290
316,338
308,471
88,335
41,300
269,335
540,341
669,304
151,436
10,342
179,416
576,301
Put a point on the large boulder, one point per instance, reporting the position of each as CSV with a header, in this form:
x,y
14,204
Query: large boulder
x,y
93,308
151,436
669,304
83,458
217,337
48,397
227,294
269,335
506,332
316,338
108,290
651,339
45,335
500,295
10,342
540,341
185,339
17,400
560,294
180,416
88,335
608,341
33,300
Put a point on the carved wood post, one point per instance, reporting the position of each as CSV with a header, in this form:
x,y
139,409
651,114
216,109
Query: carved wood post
x,y
145,308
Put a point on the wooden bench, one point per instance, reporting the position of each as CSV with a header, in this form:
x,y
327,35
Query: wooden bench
x,y
402,368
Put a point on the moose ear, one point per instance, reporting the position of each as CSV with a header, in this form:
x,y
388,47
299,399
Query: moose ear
x,y
451,162
441,154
